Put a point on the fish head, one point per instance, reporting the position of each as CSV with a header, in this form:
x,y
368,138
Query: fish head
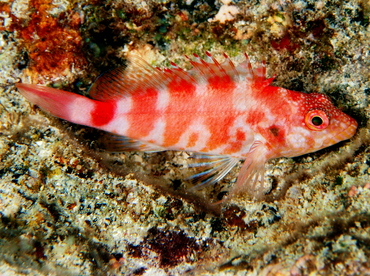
x,y
317,124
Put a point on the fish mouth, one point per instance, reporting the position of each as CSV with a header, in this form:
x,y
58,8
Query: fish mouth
x,y
346,134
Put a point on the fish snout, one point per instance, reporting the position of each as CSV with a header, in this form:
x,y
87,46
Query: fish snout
x,y
348,130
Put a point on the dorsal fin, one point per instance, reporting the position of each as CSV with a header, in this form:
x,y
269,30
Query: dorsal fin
x,y
108,85
124,81
237,73
204,70
139,75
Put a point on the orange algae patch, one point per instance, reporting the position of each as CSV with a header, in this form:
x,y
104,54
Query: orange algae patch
x,y
53,44
7,19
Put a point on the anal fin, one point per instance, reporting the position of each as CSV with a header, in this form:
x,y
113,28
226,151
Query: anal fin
x,y
116,143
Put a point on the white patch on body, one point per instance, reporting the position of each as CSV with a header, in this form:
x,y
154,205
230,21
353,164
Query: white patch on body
x,y
119,124
80,110
201,92
157,133
162,100
123,106
243,99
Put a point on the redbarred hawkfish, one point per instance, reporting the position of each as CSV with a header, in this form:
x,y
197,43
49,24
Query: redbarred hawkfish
x,y
220,111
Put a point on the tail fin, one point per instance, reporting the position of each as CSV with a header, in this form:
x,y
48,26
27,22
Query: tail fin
x,y
66,105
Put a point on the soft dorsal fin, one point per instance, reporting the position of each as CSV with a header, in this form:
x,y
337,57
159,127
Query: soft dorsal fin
x,y
140,75
108,85
137,76
124,81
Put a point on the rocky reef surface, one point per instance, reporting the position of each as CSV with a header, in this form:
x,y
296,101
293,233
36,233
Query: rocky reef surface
x,y
69,208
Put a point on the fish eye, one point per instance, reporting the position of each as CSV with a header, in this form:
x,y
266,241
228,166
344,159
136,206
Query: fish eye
x,y
316,120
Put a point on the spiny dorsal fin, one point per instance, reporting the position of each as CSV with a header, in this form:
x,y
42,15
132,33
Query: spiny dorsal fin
x,y
246,70
237,73
203,70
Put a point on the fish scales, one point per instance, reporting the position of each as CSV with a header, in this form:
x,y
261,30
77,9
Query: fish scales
x,y
220,111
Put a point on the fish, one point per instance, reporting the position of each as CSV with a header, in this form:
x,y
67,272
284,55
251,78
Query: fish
x,y
220,112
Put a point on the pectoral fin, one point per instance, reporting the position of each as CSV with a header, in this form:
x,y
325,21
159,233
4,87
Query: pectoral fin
x,y
251,175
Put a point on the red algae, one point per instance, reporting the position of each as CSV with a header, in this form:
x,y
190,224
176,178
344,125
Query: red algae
x,y
54,44
233,216
172,247
285,43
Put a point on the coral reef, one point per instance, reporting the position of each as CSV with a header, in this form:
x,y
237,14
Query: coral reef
x,y
68,208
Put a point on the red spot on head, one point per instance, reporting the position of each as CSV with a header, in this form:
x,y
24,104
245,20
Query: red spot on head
x,y
274,131
276,135
103,113
320,103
